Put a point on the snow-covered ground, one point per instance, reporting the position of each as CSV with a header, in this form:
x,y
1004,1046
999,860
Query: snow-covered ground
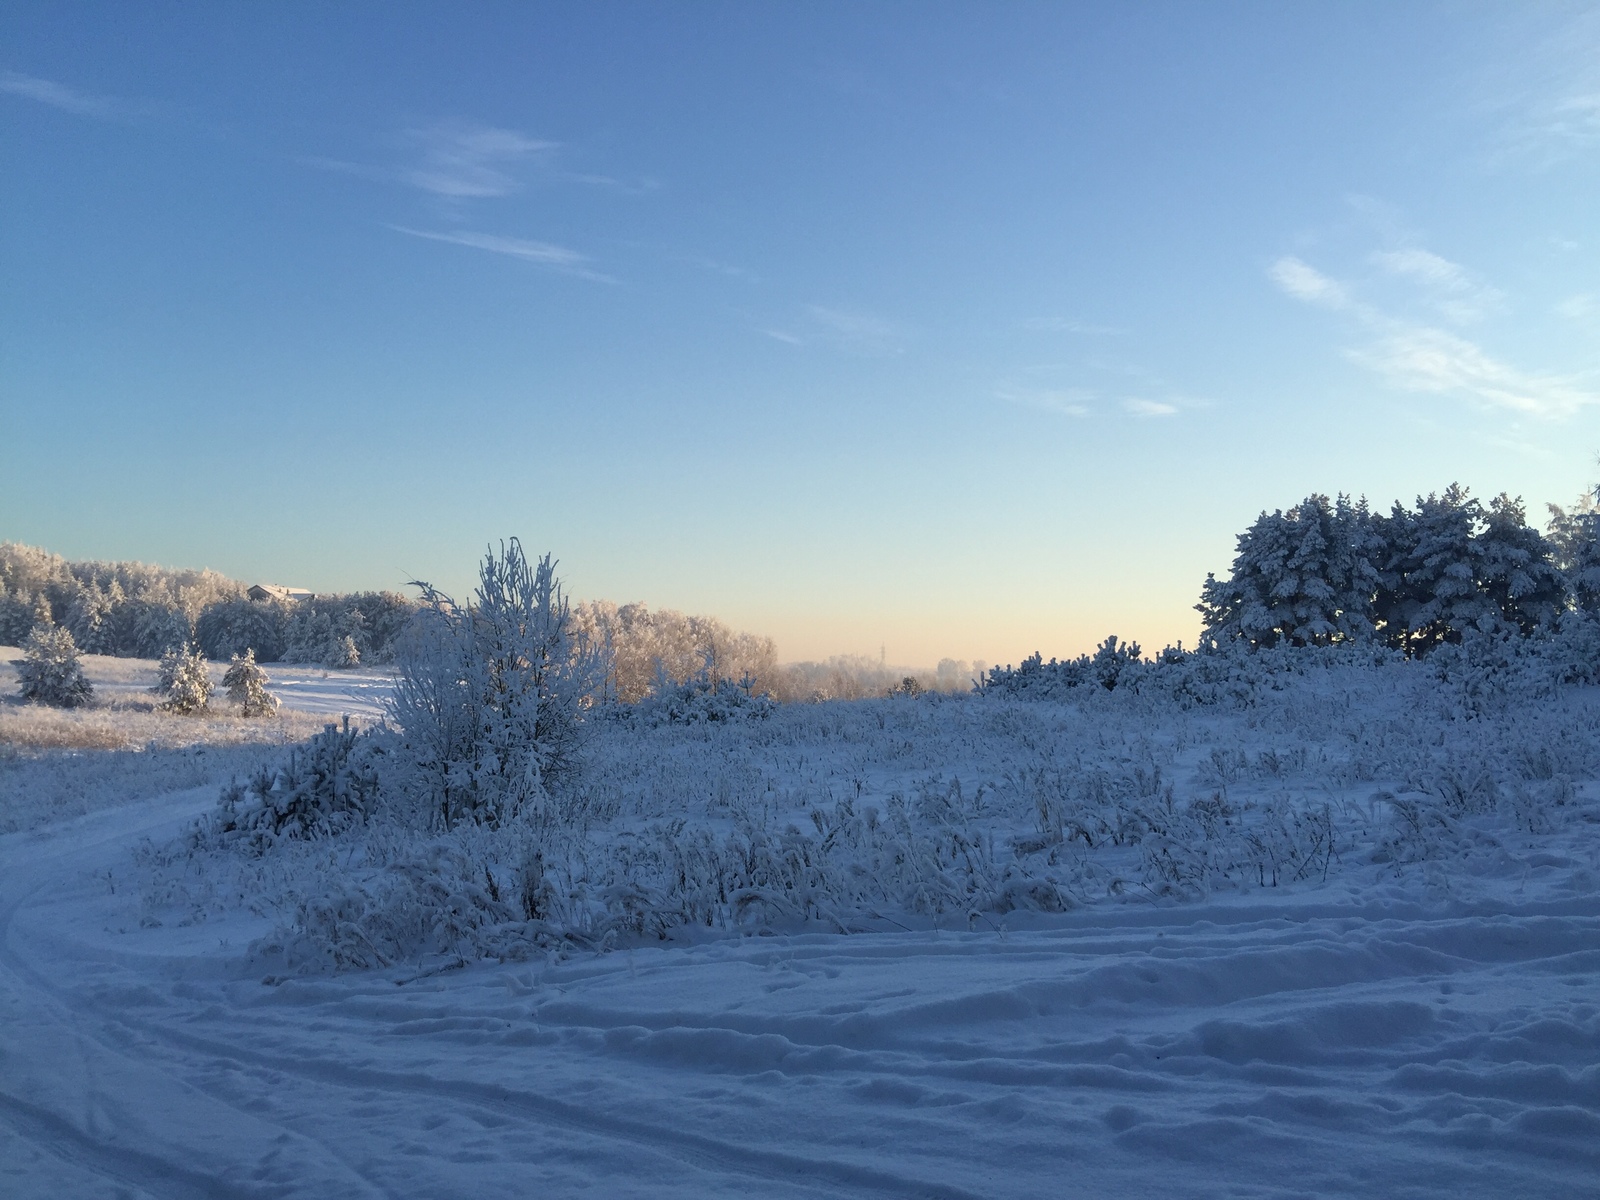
x,y
125,715
1420,1016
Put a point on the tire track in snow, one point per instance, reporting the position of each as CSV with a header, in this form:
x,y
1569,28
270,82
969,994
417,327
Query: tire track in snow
x,y
694,1149
150,1174
55,1134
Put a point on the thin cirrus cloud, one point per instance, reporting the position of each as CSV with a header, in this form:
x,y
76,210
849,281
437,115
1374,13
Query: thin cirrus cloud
x,y
67,99
543,254
1415,357
1069,402
1448,286
1069,325
857,331
460,161
463,161
1149,408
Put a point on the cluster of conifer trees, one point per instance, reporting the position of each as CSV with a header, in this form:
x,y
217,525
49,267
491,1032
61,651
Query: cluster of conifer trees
x,y
1331,571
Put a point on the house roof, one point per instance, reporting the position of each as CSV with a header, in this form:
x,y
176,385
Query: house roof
x,y
273,591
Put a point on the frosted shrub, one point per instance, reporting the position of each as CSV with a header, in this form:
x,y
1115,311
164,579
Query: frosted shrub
x,y
247,686
50,671
183,680
1113,662
703,699
490,696
328,786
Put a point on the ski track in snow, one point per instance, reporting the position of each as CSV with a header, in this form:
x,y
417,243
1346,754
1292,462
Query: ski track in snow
x,y
1273,1047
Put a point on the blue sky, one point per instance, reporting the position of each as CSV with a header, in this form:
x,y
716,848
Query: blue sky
x,y
952,329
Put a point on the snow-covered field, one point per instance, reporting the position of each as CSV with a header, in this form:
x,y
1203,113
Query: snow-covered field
x,y
1340,937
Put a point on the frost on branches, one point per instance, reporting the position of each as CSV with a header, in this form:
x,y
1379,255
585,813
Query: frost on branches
x,y
50,671
1330,571
247,686
183,681
490,695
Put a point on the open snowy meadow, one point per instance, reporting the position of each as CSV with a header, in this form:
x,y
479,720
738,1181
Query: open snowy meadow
x,y
1302,925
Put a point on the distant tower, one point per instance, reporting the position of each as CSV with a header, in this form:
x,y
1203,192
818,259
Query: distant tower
x,y
883,654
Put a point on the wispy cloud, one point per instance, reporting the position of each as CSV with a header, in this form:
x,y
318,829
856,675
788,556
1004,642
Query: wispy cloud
x,y
1432,360
1070,402
1148,408
1542,96
1575,308
784,336
1068,325
858,331
467,161
544,254
1450,287
82,104
1305,282
1416,357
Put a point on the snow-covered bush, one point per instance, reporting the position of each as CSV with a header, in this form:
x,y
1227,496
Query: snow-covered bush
x,y
247,686
49,670
490,697
183,680
326,787
703,699
1113,662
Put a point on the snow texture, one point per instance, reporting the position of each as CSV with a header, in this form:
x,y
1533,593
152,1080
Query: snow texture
x,y
1410,1007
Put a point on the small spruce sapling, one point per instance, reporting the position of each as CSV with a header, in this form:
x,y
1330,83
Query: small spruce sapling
x,y
50,671
184,680
247,686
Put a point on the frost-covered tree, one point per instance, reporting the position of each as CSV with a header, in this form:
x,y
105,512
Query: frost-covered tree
x,y
230,627
1516,569
247,686
150,628
1575,545
490,695
183,681
1429,590
50,671
16,617
646,643
1305,576
343,653
89,619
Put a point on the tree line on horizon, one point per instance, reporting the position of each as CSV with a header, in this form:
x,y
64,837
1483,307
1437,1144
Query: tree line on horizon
x,y
133,610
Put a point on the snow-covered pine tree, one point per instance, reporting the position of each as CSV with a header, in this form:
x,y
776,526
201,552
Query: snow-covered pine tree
x,y
88,618
50,671
1305,577
1244,606
16,617
43,615
1429,590
342,653
1516,569
232,626
184,680
158,628
247,686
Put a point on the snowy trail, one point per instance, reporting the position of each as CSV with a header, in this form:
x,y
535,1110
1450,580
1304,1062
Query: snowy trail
x,y
1278,1046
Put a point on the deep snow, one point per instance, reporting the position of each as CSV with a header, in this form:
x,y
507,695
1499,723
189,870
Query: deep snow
x,y
1422,1029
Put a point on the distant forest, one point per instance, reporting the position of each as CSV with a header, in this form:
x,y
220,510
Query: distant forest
x,y
133,610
